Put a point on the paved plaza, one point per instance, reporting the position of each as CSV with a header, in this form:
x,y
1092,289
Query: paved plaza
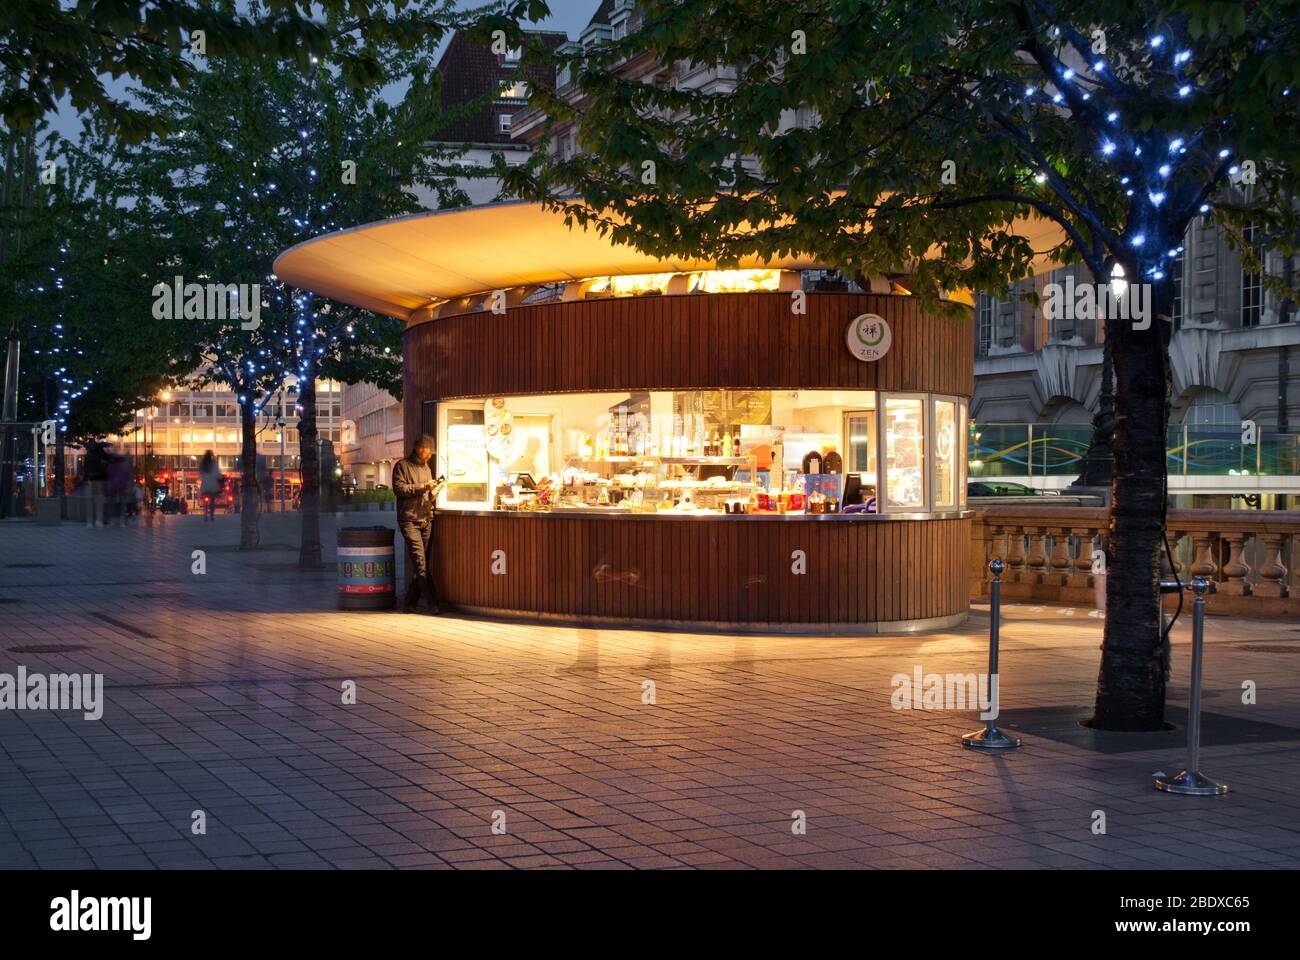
x,y
478,744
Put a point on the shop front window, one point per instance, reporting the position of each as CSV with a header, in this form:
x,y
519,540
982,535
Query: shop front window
x,y
699,452
904,452
947,448
963,461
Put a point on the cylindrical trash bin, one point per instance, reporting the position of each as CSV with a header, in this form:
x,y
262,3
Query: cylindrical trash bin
x,y
367,568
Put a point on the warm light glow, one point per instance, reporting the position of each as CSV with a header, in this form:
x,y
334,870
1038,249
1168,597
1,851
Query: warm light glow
x,y
703,281
735,281
632,286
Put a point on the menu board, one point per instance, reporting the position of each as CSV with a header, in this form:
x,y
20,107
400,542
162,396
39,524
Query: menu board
x,y
753,407
723,409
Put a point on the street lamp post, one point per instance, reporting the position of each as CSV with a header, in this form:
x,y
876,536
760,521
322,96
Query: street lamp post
x,y
164,397
280,424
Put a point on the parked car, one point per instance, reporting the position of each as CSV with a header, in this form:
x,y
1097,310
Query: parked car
x,y
1003,488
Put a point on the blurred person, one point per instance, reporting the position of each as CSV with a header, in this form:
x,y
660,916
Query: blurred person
x,y
137,498
121,477
417,492
209,485
95,464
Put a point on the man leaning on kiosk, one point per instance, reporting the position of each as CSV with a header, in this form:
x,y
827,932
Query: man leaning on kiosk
x,y
416,492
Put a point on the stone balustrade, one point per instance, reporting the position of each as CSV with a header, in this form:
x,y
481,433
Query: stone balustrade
x,y
1053,554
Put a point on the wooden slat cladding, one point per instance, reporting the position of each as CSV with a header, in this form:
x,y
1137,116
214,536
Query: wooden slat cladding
x,y
705,571
740,340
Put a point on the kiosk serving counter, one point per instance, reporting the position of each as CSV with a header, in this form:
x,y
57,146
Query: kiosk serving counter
x,y
641,442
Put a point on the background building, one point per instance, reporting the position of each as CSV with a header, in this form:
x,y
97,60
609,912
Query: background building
x,y
1037,381
185,423
372,436
471,73
1231,350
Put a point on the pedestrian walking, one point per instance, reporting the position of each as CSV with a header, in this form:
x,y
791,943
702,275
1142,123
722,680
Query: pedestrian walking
x,y
209,485
121,477
95,464
417,493
137,498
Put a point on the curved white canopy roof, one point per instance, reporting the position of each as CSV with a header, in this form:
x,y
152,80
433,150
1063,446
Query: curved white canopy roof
x,y
398,266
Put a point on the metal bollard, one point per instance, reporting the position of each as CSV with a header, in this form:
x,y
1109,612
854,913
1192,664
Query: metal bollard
x,y
1191,781
990,737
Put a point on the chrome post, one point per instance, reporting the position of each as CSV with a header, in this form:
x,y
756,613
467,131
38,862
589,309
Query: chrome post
x,y
990,737
1191,781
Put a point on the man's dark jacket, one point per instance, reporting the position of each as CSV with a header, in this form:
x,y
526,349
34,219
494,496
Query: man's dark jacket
x,y
414,503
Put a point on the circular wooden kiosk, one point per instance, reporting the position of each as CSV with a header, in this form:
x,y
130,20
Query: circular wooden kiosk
x,y
890,572
903,569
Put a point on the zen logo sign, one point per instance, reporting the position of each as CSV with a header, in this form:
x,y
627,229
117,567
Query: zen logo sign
x,y
868,337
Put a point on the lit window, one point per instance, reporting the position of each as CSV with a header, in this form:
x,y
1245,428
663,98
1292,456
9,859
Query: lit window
x,y
904,452
683,453
1061,327
947,448
1176,272
988,307
1252,287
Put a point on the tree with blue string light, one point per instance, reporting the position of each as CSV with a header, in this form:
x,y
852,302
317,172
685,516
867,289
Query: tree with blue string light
x,y
936,125
266,155
71,257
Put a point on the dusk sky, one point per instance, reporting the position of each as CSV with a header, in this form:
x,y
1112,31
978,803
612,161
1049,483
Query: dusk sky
x,y
567,15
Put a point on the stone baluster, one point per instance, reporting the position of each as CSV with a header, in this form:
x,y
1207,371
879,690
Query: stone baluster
x,y
1271,571
994,548
1176,539
997,546
1081,568
1060,556
1037,560
1015,554
1235,568
1203,564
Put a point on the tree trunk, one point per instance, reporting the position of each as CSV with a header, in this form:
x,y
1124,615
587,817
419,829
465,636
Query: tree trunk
x,y
309,467
1131,682
250,493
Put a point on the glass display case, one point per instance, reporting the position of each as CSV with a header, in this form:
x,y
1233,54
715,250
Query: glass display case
x,y
651,483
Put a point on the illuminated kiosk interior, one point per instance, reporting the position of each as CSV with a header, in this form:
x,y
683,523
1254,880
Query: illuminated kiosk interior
x,y
631,440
